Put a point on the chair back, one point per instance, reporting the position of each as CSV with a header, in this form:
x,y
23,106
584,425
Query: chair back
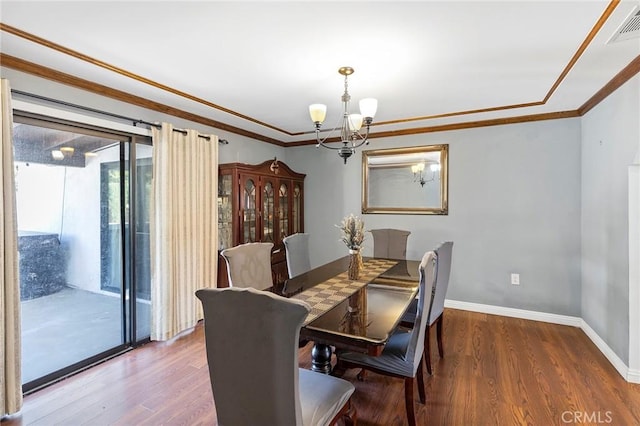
x,y
390,243
297,249
443,253
249,265
252,349
428,272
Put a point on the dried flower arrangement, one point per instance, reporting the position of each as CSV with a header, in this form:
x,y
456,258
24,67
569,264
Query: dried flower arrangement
x,y
352,228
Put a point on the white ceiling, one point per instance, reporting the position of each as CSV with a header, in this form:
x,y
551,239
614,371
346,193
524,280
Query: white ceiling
x,y
267,61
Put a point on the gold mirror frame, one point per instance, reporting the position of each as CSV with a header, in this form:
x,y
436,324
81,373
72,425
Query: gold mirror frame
x,y
395,157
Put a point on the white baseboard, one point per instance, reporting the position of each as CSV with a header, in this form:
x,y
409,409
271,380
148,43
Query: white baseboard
x,y
515,313
614,359
632,376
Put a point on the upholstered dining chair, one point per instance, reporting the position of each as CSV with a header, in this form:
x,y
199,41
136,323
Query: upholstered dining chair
x,y
249,265
251,342
403,353
297,249
443,255
390,243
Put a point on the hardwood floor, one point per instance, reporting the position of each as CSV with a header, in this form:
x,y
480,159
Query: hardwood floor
x,y
496,371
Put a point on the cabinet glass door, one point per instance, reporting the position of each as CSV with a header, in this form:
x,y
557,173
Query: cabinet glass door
x,y
283,210
225,223
268,212
296,208
249,213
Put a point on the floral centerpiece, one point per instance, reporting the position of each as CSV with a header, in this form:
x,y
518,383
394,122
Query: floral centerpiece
x,y
352,228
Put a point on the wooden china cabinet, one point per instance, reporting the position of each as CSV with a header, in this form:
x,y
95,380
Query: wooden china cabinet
x,y
259,203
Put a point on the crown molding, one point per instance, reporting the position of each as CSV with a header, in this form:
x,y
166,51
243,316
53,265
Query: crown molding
x,y
618,80
22,65
73,81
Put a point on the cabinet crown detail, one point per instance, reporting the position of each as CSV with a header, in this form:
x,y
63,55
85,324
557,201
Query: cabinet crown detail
x,y
281,170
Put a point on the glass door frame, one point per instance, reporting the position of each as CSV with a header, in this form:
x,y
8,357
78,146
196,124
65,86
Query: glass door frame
x,y
128,253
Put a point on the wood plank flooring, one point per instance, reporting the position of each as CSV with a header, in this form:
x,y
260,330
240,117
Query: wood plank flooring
x,y
496,371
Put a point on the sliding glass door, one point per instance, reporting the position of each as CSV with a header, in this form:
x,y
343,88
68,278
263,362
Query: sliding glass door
x,y
83,217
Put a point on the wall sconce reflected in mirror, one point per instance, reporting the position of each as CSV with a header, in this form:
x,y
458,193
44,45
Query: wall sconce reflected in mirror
x,y
419,175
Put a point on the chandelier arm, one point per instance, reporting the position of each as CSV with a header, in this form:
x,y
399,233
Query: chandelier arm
x,y
364,139
321,143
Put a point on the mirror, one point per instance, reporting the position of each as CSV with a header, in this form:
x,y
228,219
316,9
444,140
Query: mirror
x,y
405,180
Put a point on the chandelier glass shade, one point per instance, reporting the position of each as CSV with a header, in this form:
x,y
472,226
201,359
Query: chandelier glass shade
x,y
351,124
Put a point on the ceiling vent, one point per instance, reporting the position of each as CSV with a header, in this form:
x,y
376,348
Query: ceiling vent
x,y
629,29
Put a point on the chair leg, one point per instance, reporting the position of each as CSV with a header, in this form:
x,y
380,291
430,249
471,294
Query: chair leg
x,y
427,349
408,400
421,391
347,414
439,334
350,418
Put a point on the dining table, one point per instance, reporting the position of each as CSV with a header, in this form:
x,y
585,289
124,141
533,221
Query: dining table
x,y
357,315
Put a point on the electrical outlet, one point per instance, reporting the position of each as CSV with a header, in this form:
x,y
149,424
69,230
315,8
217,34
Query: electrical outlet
x,y
515,279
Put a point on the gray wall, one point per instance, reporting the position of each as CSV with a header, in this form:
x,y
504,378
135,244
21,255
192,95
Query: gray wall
x,y
610,142
514,206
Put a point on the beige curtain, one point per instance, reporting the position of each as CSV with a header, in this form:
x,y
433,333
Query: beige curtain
x,y
184,229
10,378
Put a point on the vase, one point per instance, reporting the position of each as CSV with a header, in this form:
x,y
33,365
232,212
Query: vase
x,y
355,264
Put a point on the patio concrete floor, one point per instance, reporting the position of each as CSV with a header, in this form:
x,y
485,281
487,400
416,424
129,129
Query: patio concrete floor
x,y
69,326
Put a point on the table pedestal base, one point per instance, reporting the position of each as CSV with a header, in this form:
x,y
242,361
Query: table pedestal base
x,y
321,358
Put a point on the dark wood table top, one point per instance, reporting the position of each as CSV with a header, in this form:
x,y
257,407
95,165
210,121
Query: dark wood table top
x,y
365,320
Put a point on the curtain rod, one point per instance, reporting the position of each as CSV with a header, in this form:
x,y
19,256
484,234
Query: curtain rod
x,y
97,111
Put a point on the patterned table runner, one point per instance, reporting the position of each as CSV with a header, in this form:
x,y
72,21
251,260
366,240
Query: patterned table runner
x,y
328,294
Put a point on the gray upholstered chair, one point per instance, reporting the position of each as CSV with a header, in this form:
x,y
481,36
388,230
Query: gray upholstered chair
x,y
443,256
297,249
249,265
390,243
403,353
252,350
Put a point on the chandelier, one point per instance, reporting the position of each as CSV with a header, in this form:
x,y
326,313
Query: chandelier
x,y
421,177
350,135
